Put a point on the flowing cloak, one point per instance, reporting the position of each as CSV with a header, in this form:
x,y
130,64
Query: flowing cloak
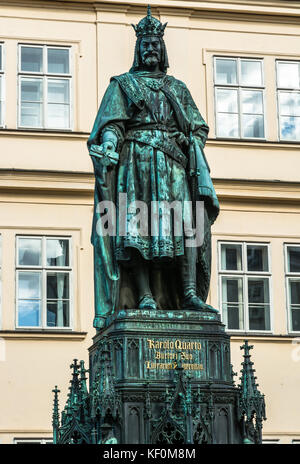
x,y
154,117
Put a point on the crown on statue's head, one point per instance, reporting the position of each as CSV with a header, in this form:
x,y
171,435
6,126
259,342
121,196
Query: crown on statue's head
x,y
149,26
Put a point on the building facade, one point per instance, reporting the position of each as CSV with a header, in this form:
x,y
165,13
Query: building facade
x,y
241,61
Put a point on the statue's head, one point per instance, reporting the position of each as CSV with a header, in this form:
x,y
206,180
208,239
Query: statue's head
x,y
150,49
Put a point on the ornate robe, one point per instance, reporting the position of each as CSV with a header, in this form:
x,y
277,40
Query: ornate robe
x,y
155,120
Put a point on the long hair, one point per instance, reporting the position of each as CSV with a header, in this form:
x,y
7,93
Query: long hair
x,y
137,62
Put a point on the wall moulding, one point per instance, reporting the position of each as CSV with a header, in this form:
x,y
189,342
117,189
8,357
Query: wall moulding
x,y
42,335
234,10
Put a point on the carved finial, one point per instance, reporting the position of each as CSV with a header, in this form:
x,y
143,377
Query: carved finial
x,y
251,401
83,378
149,26
55,415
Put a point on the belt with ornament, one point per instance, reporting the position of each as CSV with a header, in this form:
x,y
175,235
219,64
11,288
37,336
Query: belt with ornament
x,y
167,146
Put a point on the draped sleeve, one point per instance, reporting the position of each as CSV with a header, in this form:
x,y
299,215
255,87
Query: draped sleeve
x,y
114,112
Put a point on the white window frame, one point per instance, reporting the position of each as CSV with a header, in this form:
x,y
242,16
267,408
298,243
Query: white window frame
x,y
284,90
244,274
3,89
289,276
238,86
37,441
45,76
43,269
271,441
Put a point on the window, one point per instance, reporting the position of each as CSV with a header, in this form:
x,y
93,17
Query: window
x,y
239,97
245,286
44,87
1,86
271,441
33,441
292,266
43,282
288,94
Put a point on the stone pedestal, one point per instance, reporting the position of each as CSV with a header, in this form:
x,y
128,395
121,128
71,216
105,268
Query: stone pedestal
x,y
170,375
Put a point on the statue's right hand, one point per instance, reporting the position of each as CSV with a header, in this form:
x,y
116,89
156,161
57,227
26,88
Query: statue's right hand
x,y
106,147
105,152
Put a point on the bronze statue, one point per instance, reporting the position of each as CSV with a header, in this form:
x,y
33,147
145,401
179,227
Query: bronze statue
x,y
147,143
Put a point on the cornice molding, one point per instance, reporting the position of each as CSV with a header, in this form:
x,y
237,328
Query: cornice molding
x,y
277,11
81,184
42,335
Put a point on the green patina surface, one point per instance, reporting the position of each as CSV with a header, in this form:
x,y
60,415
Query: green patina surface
x,y
159,366
152,121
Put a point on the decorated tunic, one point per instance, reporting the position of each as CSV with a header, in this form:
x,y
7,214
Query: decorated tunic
x,y
154,117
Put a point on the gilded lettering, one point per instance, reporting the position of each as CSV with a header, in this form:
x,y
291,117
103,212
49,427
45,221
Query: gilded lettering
x,y
150,343
178,345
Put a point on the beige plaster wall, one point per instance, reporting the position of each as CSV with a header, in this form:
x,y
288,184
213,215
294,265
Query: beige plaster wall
x,y
36,201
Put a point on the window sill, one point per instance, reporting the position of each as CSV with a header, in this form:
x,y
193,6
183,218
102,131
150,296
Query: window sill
x,y
241,336
44,132
254,143
39,334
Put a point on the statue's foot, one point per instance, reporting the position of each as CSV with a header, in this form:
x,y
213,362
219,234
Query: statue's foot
x,y
195,303
99,322
147,302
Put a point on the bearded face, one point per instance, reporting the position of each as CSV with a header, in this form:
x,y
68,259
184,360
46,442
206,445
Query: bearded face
x,y
150,51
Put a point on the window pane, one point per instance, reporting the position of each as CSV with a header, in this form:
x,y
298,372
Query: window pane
x,y
293,259
57,252
31,90
227,125
232,297
290,128
257,258
58,91
251,72
57,285
31,59
258,290
295,316
259,317
288,75
252,102
29,285
31,114
253,126
294,292
232,289
30,251
233,316
58,61
231,257
226,71
289,103
58,314
227,100
29,313
58,116
259,309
